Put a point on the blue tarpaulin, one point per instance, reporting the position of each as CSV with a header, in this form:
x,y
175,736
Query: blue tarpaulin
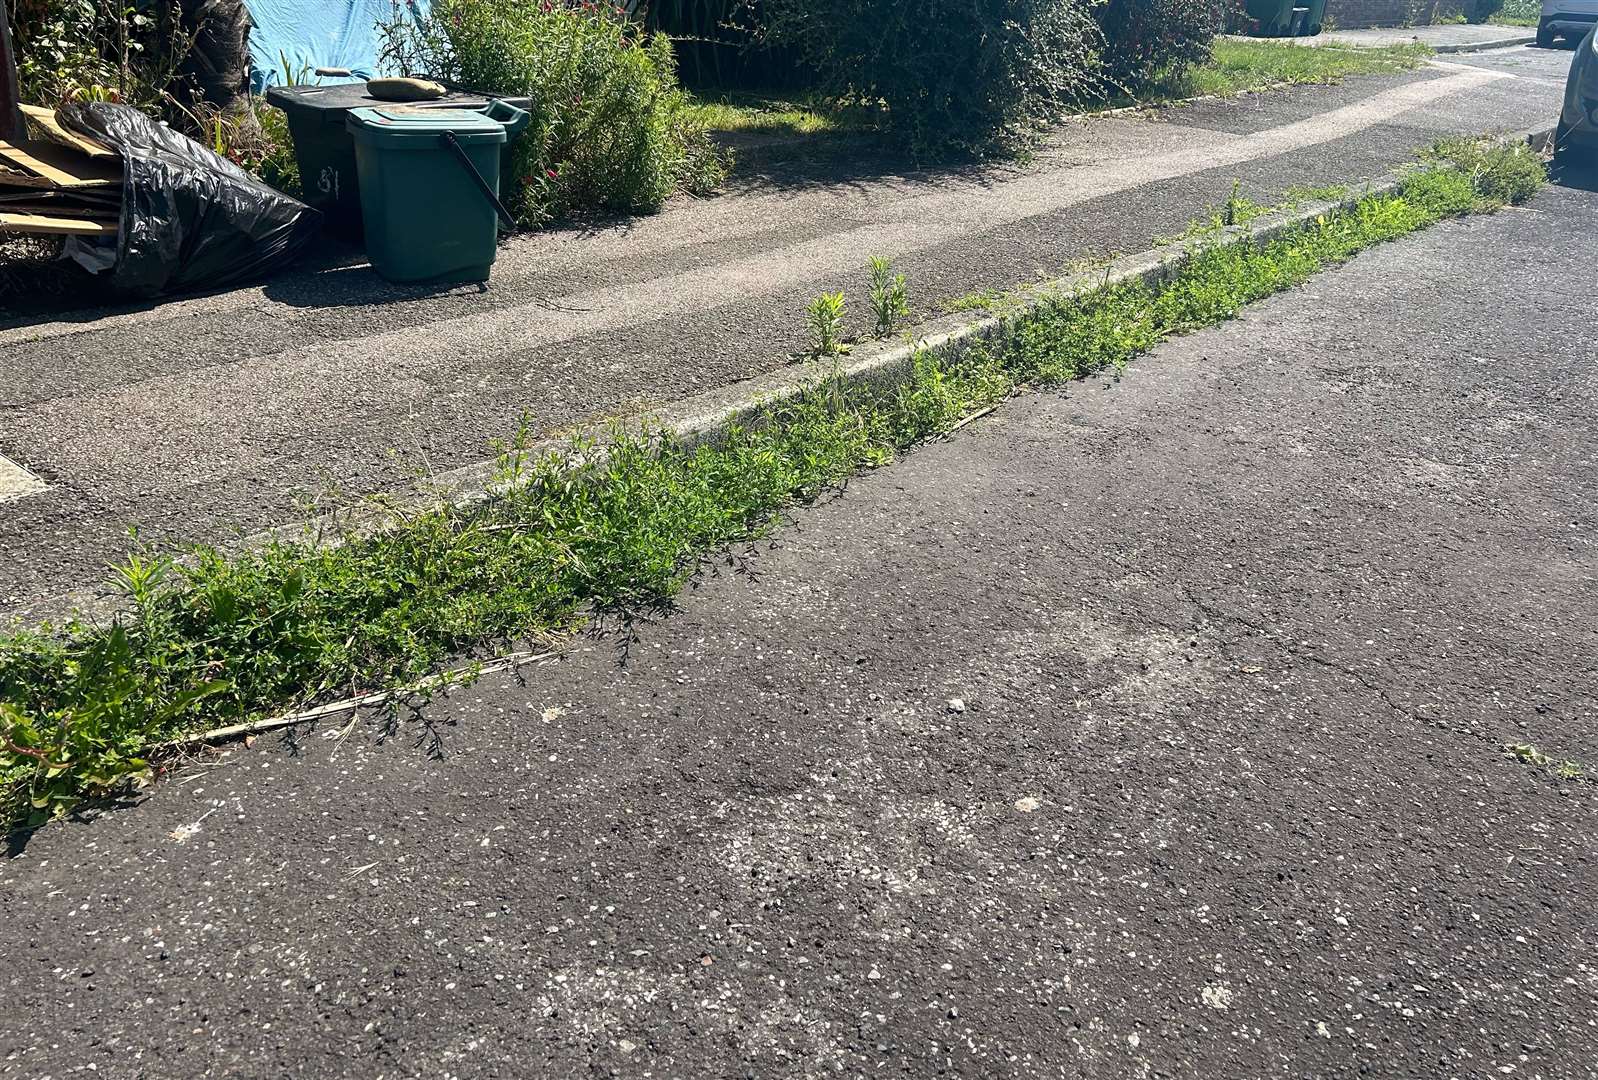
x,y
307,34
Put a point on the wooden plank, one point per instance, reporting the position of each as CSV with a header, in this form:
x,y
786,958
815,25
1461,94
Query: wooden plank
x,y
16,178
61,166
32,199
56,226
55,132
58,209
83,194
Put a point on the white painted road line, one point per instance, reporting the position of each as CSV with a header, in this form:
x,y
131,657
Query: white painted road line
x,y
15,481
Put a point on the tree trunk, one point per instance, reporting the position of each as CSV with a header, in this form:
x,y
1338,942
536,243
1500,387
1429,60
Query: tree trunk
x,y
217,69
10,94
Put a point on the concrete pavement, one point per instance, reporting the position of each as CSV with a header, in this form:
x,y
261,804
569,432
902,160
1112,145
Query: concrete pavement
x,y
1447,38
1150,728
201,418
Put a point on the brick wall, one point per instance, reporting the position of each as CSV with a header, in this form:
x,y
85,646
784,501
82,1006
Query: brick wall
x,y
1351,14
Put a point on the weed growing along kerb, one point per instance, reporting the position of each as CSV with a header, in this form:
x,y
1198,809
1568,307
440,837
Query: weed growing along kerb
x,y
612,528
890,296
825,313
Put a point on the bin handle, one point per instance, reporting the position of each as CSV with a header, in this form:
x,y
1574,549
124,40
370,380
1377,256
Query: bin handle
x,y
449,140
510,116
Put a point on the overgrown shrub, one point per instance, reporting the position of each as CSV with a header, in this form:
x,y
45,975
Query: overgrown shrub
x,y
610,133
1146,41
1479,11
87,49
961,76
254,136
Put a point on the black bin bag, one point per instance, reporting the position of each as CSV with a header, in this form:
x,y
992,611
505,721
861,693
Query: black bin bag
x,y
191,219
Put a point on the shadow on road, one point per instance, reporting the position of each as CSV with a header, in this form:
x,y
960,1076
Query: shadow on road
x,y
847,159
1577,173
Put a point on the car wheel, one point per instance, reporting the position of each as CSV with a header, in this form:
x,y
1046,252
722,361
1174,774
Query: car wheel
x,y
1565,151
1545,35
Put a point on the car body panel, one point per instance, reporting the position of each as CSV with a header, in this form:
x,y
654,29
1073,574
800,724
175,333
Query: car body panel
x,y
1568,17
1578,116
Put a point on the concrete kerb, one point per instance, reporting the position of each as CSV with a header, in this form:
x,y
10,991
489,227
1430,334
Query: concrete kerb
x,y
884,365
705,417
1506,42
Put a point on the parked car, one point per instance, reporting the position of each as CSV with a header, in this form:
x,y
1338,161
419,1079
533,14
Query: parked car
x,y
1569,19
1578,117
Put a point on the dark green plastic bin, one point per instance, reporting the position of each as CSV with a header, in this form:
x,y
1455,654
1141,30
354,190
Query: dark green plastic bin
x,y
319,125
1314,18
429,183
1273,17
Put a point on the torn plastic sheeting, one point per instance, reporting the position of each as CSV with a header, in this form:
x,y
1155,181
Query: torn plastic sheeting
x,y
190,219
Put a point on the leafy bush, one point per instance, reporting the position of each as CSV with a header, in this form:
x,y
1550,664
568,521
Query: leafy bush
x,y
611,130
1501,174
1479,11
70,49
961,76
1520,12
254,136
1146,41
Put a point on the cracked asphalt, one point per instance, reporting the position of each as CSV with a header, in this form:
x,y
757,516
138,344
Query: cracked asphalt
x,y
1151,728
201,418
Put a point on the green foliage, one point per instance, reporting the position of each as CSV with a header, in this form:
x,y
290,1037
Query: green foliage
x,y
1560,768
1503,175
1518,13
954,76
1479,11
826,323
890,296
214,639
104,50
254,136
611,131
979,300
1238,67
1147,41
757,113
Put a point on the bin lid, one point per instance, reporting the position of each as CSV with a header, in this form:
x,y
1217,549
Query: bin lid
x,y
332,102
396,122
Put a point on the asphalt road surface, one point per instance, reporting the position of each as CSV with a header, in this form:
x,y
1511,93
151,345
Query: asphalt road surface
x,y
1151,728
200,418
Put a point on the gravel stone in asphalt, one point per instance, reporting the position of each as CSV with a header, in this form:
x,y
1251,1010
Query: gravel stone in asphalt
x,y
198,418
1152,728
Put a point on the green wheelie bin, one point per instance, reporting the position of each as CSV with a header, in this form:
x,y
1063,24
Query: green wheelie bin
x,y
1274,18
429,183
1314,18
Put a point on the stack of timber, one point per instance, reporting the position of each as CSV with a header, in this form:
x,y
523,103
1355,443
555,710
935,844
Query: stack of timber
x,y
58,182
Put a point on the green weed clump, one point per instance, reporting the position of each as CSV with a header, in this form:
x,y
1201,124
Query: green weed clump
x,y
890,296
216,638
825,313
952,77
1237,67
